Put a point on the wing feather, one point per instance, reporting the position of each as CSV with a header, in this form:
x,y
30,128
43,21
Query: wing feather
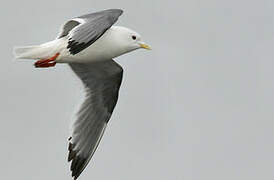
x,y
93,27
102,81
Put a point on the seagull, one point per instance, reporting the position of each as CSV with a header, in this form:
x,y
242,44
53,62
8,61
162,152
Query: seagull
x,y
88,44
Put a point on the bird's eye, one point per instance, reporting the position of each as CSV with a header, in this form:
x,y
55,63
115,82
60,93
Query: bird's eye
x,y
133,37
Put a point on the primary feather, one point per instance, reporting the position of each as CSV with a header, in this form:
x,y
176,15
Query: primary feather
x,y
92,26
88,44
102,81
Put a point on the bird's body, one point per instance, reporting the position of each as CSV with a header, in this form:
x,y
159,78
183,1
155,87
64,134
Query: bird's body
x,y
88,44
105,48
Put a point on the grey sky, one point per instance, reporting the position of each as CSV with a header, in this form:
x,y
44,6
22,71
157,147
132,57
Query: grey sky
x,y
199,106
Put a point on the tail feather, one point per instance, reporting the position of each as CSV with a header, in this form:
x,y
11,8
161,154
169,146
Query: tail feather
x,y
41,51
26,52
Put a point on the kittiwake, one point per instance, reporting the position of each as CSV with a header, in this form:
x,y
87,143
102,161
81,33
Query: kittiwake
x,y
88,44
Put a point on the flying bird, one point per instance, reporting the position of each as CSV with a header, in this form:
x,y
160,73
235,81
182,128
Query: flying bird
x,y
88,44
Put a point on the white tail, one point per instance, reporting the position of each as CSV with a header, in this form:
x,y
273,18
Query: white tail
x,y
26,52
42,51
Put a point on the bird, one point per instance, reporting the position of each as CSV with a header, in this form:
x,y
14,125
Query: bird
x,y
88,44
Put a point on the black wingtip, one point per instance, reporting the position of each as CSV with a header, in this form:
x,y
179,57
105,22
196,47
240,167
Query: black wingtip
x,y
72,153
77,166
78,163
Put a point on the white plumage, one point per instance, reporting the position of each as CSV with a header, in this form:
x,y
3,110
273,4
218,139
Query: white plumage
x,y
88,44
114,42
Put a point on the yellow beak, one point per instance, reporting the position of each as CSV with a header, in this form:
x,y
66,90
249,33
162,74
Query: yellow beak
x,y
145,46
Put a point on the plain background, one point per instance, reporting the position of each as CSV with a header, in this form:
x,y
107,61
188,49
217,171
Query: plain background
x,y
199,106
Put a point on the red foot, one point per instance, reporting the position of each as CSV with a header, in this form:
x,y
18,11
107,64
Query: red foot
x,y
43,63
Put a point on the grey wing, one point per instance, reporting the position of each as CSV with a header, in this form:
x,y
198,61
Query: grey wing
x,y
67,27
102,81
91,27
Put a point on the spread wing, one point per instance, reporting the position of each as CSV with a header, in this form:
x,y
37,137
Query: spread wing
x,y
102,81
85,30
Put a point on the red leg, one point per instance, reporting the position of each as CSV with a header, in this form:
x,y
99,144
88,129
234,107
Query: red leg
x,y
43,63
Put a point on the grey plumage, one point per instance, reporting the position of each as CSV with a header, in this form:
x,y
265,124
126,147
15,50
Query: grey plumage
x,y
82,34
67,27
93,64
102,81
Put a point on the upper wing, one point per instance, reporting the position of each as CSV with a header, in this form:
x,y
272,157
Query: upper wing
x,y
67,27
85,30
102,81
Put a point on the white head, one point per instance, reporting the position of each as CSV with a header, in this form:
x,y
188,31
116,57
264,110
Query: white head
x,y
125,40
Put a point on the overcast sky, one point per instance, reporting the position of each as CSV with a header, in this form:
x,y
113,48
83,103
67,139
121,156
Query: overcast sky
x,y
199,106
